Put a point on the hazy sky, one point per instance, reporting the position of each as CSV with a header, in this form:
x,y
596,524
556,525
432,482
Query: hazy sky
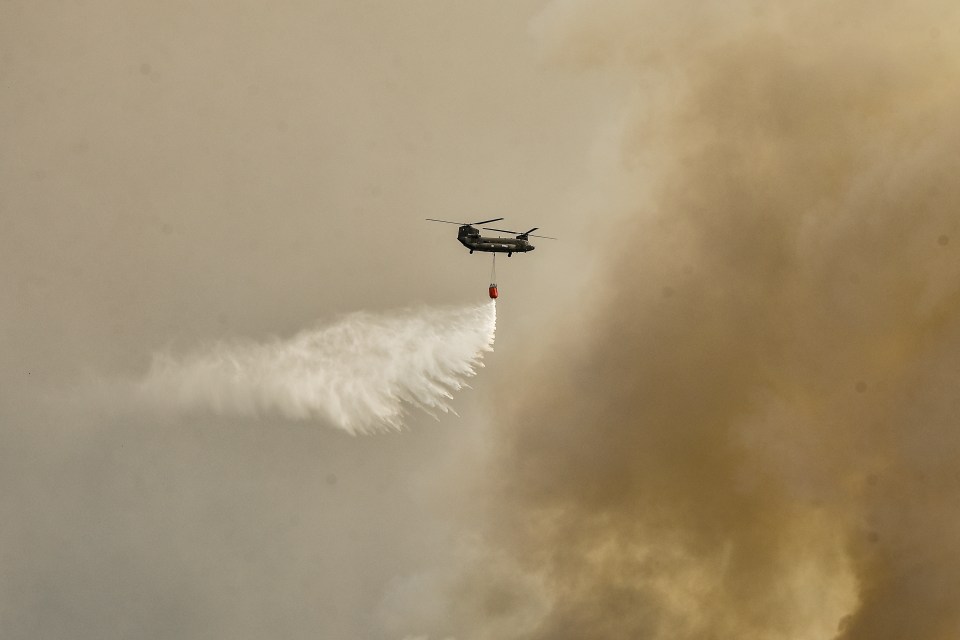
x,y
723,405
175,173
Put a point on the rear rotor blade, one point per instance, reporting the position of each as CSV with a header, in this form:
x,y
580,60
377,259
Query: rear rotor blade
x,y
517,233
486,221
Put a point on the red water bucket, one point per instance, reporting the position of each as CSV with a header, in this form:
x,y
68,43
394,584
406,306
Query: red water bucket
x,y
493,292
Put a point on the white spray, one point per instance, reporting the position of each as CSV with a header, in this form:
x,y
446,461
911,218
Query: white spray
x,y
359,373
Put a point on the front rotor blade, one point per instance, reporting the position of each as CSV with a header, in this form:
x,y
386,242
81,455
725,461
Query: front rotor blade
x,y
486,221
526,233
447,221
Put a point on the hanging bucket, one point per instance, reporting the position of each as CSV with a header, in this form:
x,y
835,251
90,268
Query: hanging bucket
x,y
493,291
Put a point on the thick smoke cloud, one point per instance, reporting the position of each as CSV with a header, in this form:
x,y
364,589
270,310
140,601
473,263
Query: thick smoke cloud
x,y
754,435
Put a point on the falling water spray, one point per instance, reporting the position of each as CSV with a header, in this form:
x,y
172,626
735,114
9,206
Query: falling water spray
x,y
360,373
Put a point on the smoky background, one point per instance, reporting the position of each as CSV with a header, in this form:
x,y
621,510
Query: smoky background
x,y
722,406
750,431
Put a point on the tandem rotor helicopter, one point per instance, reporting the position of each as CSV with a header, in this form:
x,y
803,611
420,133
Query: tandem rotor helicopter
x,y
469,236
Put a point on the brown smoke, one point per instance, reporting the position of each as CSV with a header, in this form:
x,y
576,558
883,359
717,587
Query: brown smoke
x,y
757,438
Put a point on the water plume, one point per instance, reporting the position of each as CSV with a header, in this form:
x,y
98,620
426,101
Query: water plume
x,y
359,373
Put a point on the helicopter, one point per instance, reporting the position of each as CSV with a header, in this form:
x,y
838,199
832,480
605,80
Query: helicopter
x,y
469,236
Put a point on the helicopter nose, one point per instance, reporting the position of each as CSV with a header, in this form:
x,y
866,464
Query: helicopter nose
x,y
531,248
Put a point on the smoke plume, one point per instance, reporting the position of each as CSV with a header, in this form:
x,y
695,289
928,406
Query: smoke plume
x,y
759,438
358,373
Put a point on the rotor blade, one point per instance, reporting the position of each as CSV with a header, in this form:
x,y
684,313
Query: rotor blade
x,y
517,233
447,221
486,221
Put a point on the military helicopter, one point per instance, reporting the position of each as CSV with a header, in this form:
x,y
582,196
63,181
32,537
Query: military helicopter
x,y
469,236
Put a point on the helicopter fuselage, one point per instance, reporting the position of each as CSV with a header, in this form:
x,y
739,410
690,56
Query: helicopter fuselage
x,y
470,238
